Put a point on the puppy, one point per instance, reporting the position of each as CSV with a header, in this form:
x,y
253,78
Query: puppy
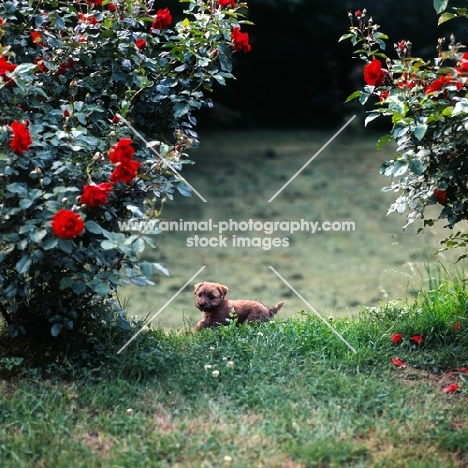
x,y
211,300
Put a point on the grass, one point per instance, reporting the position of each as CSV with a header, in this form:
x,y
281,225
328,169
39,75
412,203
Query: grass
x,y
337,272
282,394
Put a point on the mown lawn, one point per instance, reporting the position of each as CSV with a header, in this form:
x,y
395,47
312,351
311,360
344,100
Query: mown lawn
x,y
282,394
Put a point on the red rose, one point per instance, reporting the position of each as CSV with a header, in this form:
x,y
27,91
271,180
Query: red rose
x,y
112,7
417,339
398,362
91,19
65,66
440,196
6,67
125,172
140,43
162,19
39,61
396,338
373,73
122,152
463,65
96,194
115,119
21,138
451,388
225,3
66,224
240,41
36,38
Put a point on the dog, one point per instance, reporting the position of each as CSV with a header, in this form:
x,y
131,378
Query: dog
x,y
217,310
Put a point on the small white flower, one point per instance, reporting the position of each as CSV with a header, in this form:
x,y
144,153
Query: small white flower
x,y
224,358
230,364
215,374
260,334
129,411
212,348
228,459
207,366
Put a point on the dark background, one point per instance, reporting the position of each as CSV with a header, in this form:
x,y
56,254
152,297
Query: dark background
x,y
298,75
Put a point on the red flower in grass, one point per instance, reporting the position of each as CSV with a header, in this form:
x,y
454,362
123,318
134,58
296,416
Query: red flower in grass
x,y
418,339
96,194
66,224
240,41
374,75
225,3
140,43
451,388
125,172
122,152
462,369
396,338
457,326
162,20
21,138
398,362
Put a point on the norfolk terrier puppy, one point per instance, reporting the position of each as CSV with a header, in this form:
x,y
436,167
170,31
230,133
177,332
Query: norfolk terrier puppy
x,y
211,300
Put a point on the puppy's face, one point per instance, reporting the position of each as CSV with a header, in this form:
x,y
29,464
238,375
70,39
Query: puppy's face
x,y
209,296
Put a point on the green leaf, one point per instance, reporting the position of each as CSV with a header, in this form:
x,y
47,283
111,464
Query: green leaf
x,y
103,289
147,269
419,131
37,236
79,287
50,243
93,227
22,266
355,95
444,17
346,36
123,324
416,166
55,329
65,245
138,247
66,282
440,6
372,116
109,245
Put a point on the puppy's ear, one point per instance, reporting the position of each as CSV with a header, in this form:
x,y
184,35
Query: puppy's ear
x,y
223,289
197,287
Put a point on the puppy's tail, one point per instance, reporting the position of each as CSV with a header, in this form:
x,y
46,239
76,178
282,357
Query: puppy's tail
x,y
274,310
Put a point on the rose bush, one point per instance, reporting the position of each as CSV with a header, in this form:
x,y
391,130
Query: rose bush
x,y
71,169
426,104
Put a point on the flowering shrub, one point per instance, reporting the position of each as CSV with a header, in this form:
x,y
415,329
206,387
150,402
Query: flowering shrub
x,y
70,169
427,104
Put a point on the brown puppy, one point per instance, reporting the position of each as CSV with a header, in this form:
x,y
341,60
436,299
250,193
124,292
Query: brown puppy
x,y
211,300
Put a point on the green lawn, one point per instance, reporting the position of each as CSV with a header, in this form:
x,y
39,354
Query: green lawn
x,y
336,272
281,394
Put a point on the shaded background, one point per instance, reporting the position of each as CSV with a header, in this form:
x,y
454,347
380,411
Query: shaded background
x,y
287,101
297,74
